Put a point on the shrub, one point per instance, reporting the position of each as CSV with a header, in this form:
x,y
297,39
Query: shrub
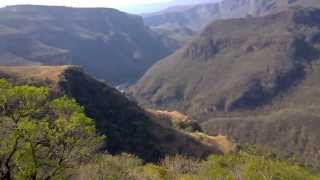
x,y
180,164
246,166
120,167
42,137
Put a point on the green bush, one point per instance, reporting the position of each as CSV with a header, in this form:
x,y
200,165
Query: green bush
x,y
246,166
108,167
42,137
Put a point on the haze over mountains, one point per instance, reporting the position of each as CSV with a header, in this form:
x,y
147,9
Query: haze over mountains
x,y
182,22
153,7
110,44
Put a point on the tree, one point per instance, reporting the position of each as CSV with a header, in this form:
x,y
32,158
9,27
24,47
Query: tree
x,y
42,137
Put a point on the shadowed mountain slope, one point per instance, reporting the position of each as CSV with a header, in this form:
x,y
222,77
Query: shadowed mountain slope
x,y
128,127
245,75
109,44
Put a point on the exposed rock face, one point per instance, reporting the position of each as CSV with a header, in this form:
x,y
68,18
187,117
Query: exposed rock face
x,y
196,17
109,44
182,22
236,71
243,8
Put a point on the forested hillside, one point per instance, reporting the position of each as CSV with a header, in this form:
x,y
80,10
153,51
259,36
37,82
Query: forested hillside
x,y
243,75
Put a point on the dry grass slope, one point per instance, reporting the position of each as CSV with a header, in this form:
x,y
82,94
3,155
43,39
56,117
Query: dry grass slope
x,y
169,118
38,73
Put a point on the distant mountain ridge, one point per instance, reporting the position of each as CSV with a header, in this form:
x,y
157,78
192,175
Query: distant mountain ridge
x,y
195,17
154,7
182,22
109,44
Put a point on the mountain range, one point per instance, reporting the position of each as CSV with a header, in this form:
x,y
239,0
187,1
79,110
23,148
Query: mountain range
x,y
204,77
154,7
182,22
239,76
109,44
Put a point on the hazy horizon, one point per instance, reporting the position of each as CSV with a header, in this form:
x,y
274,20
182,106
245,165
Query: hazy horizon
x,y
131,6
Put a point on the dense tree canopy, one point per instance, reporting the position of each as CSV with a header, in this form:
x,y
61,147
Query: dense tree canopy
x,y
41,137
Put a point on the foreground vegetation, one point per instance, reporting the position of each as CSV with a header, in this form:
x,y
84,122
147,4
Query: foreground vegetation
x,y
51,138
42,137
242,166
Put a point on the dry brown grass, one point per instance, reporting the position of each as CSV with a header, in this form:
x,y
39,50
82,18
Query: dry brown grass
x,y
221,142
168,118
175,115
41,73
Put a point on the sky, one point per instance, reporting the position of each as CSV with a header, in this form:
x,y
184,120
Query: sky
x,y
83,3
